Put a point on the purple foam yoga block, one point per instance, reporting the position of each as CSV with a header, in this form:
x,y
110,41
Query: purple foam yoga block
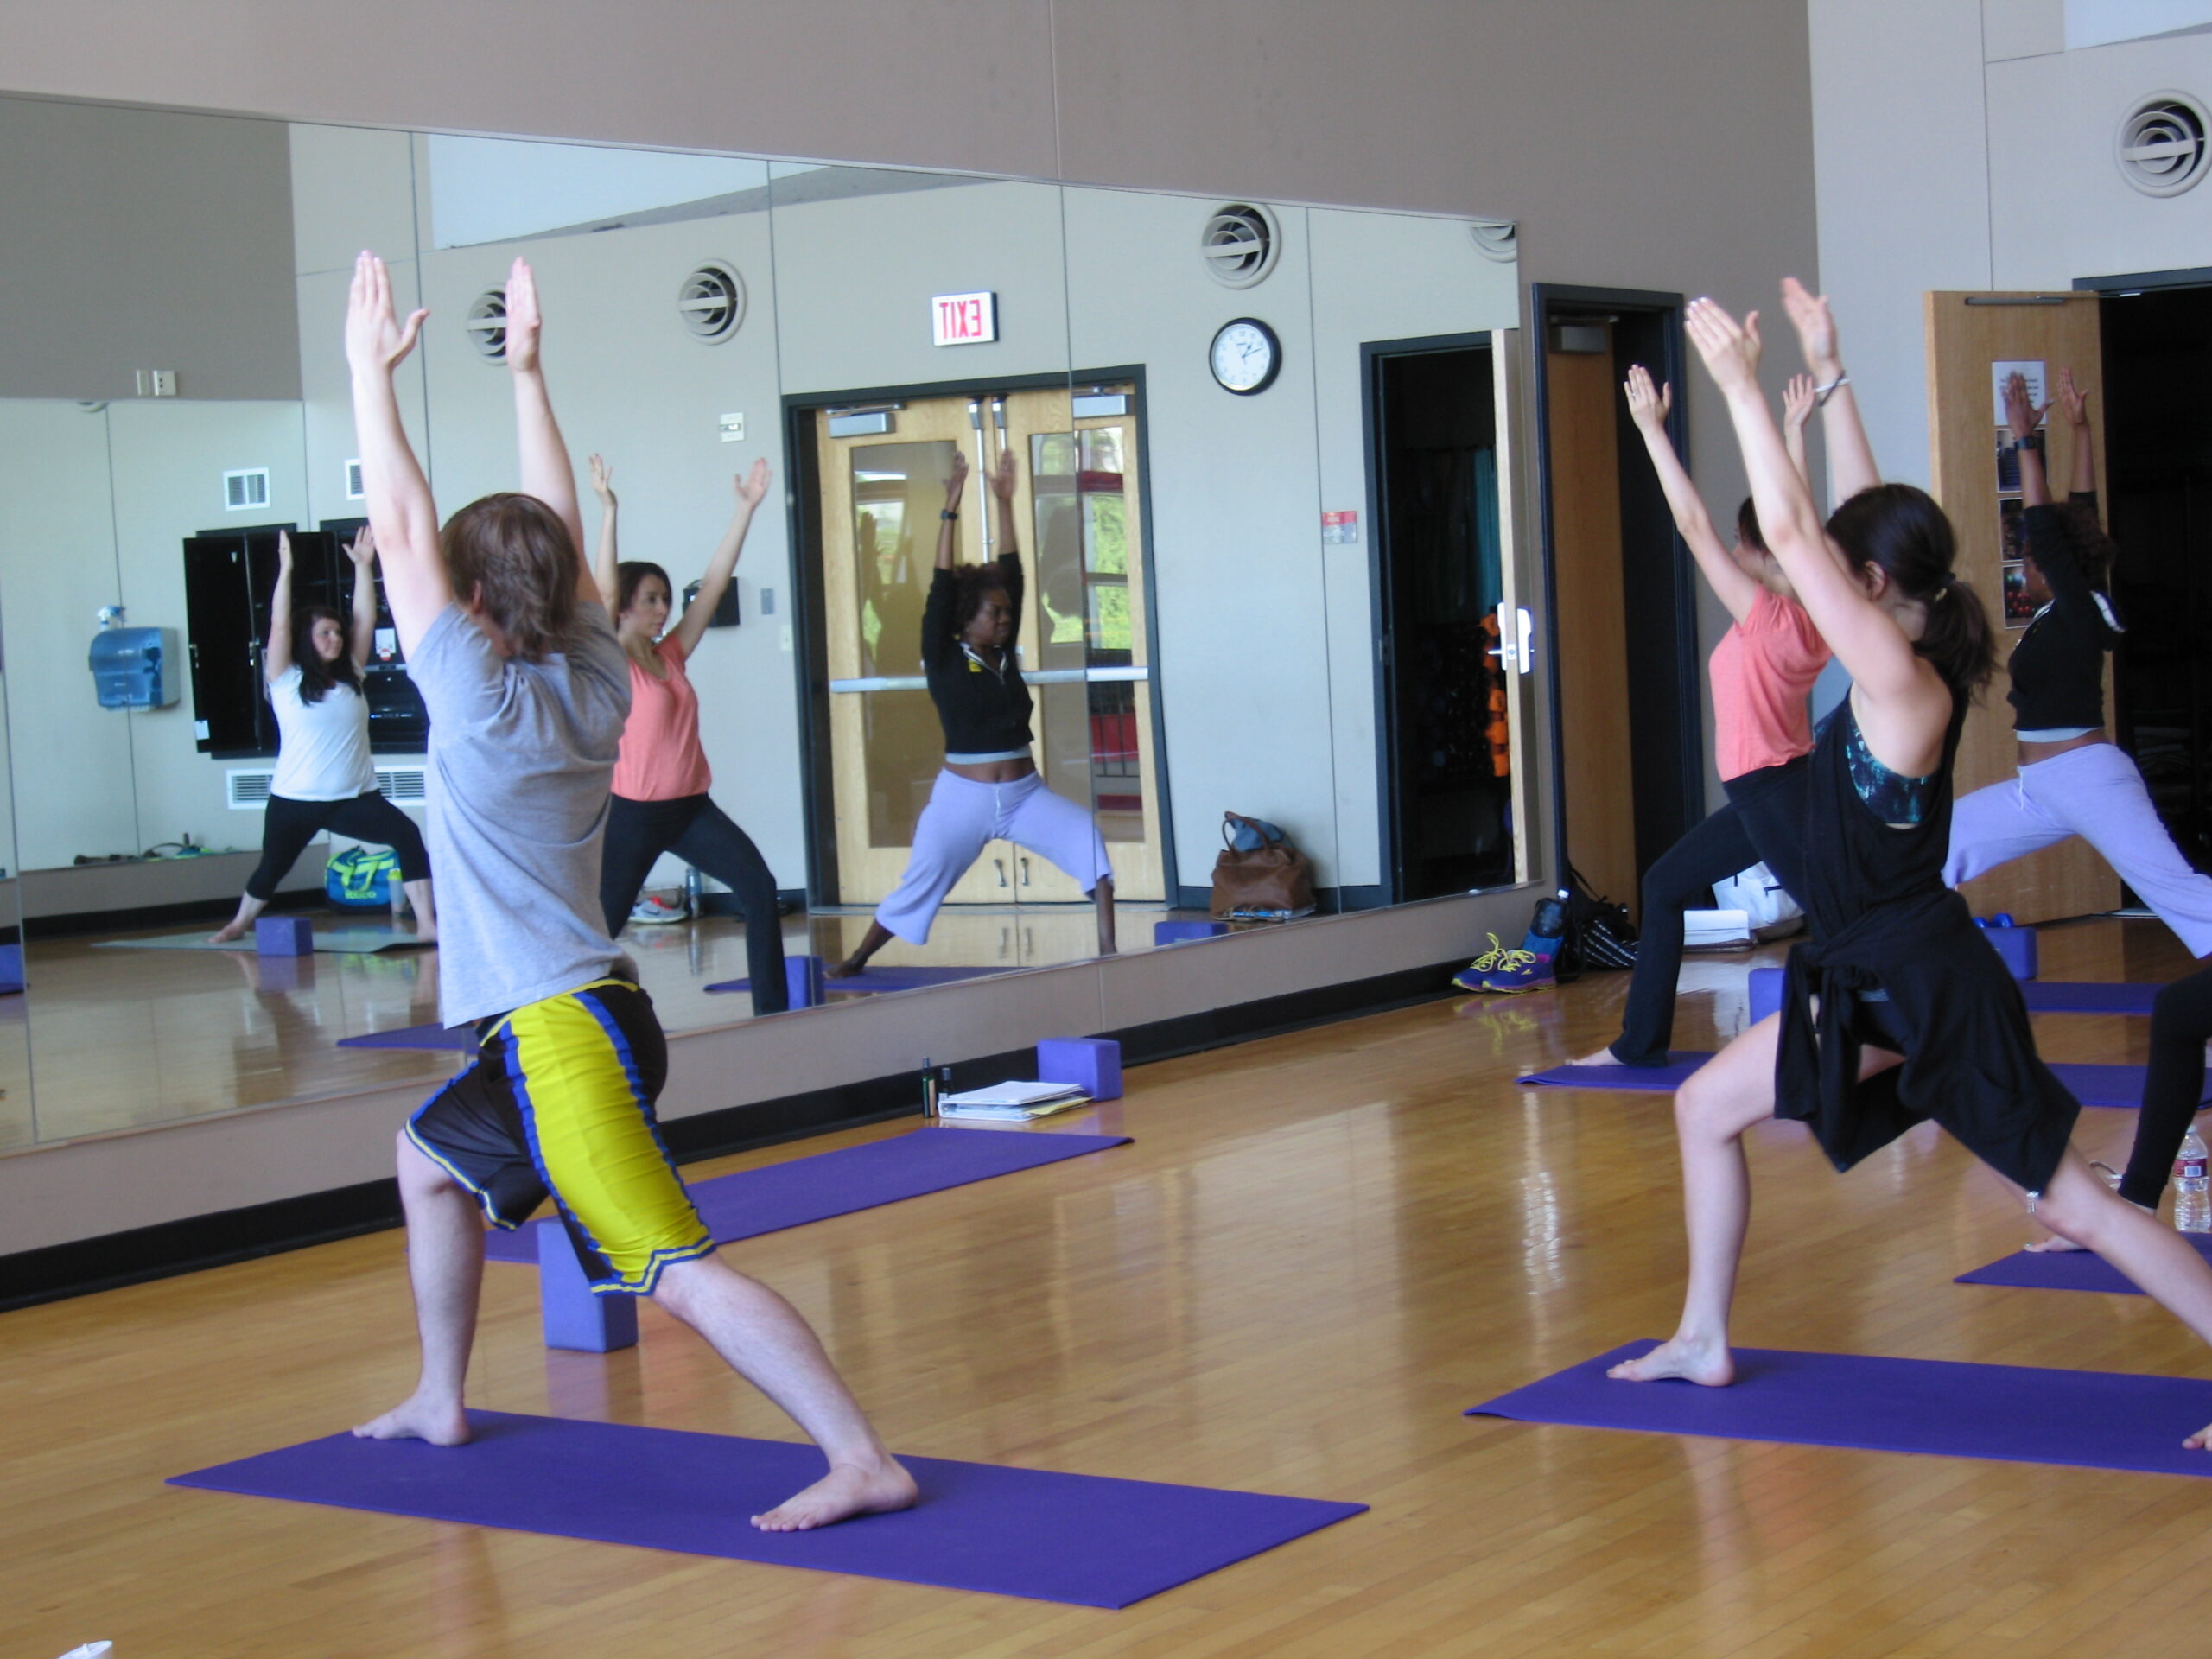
x,y
803,980
1092,1064
2017,946
12,968
1766,992
284,936
1177,932
573,1317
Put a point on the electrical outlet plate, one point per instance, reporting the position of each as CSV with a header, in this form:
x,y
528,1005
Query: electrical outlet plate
x,y
733,428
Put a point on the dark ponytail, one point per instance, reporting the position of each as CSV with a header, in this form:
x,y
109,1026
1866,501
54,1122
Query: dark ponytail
x,y
1748,533
1901,530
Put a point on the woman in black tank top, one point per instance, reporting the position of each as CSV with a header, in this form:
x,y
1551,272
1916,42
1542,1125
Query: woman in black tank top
x,y
1896,1011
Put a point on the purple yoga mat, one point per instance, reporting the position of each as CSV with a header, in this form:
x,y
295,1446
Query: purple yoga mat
x,y
2065,1270
751,1202
1086,1540
2016,1413
460,1037
1656,1079
883,979
2093,1086
2080,997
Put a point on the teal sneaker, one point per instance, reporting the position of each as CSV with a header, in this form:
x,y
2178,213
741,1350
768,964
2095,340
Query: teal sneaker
x,y
1506,970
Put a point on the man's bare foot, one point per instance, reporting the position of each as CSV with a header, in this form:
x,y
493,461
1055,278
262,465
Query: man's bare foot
x,y
847,1490
418,1418
224,936
1708,1363
1603,1057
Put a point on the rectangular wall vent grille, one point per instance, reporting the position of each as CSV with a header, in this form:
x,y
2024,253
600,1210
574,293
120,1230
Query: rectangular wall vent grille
x,y
245,489
248,787
355,488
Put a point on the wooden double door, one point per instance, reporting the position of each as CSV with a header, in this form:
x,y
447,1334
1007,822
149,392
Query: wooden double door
x,y
1084,645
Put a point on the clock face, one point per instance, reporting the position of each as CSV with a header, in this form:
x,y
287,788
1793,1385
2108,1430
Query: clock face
x,y
1245,356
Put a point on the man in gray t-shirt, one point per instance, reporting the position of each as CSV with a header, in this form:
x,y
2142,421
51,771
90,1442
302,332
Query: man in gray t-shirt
x,y
527,689
521,756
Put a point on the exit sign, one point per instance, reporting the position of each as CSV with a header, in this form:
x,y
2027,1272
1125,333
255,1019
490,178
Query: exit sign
x,y
964,319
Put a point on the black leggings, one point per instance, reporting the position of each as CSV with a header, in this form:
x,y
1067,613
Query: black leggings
x,y
288,825
2181,1024
1764,822
702,836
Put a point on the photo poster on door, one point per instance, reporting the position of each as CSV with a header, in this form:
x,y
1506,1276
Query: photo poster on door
x,y
2011,511
2029,370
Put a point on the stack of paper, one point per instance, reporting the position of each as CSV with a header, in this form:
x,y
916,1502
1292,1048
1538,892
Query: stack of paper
x,y
1013,1102
1716,929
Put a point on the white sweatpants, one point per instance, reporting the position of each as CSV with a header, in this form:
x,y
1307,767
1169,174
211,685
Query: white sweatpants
x,y
964,817
2094,793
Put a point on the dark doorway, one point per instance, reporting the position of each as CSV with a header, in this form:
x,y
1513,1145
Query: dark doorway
x,y
1446,780
1621,602
2157,357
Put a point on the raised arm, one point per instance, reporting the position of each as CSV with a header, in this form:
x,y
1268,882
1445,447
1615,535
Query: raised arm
x,y
692,626
2076,403
276,657
1799,399
605,572
1003,480
1904,704
546,472
401,512
2024,417
948,526
362,550
1738,589
1851,458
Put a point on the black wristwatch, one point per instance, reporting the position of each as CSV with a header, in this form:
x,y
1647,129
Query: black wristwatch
x,y
2033,441
947,514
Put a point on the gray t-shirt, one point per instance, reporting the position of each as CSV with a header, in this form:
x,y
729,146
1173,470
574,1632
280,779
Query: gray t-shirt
x,y
522,760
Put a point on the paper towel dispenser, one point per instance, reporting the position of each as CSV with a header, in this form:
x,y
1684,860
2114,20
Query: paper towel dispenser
x,y
135,668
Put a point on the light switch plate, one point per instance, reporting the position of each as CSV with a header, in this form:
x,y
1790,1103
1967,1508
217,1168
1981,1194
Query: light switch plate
x,y
733,428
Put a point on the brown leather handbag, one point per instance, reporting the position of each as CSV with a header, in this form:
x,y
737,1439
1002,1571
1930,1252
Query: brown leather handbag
x,y
1259,875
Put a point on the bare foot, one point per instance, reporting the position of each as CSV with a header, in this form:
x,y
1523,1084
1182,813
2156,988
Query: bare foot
x,y
1705,1362
235,930
1603,1057
427,935
847,1490
2052,1246
844,970
2200,1442
418,1418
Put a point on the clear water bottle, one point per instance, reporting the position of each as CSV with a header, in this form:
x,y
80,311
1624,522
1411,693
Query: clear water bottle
x,y
2192,1199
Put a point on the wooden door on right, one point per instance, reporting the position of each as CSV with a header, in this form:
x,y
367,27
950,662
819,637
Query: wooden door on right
x,y
1969,335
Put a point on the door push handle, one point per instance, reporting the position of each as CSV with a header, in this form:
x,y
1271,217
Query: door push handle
x,y
1024,872
998,864
1517,640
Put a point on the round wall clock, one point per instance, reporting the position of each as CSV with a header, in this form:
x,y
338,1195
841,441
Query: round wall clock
x,y
1245,356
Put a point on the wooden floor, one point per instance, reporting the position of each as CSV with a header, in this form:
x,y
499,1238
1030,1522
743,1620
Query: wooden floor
x,y
108,1040
1319,1250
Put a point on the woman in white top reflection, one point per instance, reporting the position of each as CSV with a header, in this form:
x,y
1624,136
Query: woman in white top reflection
x,y
325,780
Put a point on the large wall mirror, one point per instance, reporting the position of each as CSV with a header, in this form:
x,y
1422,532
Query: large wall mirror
x,y
1261,494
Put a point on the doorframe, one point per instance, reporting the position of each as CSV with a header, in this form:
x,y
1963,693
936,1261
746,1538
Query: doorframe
x,y
1544,300
1371,355
809,647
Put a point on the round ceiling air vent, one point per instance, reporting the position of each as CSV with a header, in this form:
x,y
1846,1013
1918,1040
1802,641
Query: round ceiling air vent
x,y
2161,146
711,302
1496,238
1239,244
487,325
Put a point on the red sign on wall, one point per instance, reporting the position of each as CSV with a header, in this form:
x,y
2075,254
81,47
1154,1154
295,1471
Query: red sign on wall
x,y
964,319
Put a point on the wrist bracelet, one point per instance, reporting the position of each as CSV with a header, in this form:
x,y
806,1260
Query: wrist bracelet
x,y
1822,394
947,514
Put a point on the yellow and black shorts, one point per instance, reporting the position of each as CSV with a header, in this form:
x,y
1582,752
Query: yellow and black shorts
x,y
561,1100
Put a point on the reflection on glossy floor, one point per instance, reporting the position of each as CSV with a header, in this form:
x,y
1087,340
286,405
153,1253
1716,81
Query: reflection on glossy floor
x,y
118,1040
1319,1250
